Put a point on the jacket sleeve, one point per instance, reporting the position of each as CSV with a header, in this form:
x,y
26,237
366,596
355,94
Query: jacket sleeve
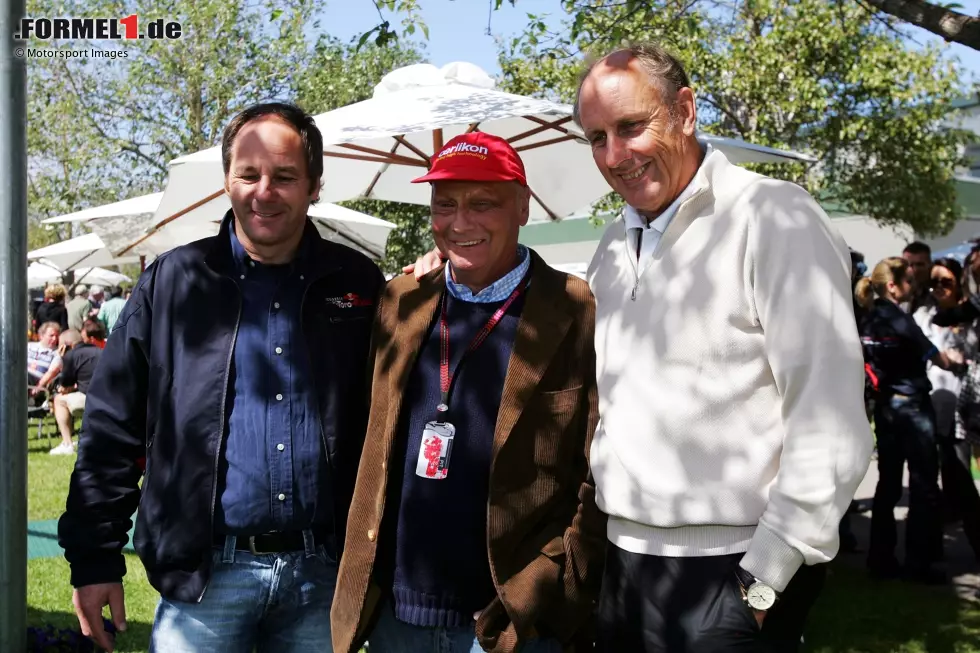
x,y
798,272
568,613
104,490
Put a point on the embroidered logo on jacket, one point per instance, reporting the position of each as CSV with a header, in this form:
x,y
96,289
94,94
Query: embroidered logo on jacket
x,y
349,300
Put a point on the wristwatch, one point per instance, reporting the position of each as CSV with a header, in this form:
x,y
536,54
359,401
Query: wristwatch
x,y
758,595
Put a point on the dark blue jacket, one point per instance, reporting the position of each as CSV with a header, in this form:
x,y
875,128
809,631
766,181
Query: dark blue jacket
x,y
160,392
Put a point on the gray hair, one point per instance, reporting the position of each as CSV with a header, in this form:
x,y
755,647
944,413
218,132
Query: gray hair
x,y
663,68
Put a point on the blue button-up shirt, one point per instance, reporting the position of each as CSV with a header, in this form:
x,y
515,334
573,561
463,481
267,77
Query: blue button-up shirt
x,y
273,473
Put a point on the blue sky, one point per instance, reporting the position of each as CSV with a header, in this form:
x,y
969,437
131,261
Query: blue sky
x,y
458,28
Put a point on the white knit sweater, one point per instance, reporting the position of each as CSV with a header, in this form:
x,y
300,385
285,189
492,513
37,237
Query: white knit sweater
x,y
731,388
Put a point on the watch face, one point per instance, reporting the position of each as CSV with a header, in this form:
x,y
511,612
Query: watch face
x,y
760,597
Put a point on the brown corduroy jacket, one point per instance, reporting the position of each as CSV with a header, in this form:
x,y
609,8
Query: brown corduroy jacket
x,y
546,538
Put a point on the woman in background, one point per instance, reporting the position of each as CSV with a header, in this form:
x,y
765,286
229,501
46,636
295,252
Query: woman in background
x,y
53,308
959,491
896,352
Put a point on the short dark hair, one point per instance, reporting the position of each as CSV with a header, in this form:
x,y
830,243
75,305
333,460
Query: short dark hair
x,y
114,292
664,69
94,329
301,121
918,247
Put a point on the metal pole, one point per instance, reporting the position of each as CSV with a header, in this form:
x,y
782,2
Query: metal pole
x,y
13,334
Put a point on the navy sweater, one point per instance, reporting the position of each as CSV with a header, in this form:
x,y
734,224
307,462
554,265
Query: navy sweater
x,y
438,565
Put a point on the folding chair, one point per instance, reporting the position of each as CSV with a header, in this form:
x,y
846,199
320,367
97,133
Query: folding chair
x,y
38,409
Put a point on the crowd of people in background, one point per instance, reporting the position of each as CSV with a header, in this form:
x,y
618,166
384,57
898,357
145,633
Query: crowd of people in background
x,y
919,321
66,342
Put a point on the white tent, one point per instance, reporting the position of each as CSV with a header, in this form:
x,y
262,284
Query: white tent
x,y
373,149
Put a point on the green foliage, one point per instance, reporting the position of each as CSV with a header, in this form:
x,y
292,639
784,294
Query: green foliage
x,y
101,130
339,75
808,75
411,237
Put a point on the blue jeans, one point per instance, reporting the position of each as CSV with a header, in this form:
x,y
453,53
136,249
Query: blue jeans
x,y
393,636
272,602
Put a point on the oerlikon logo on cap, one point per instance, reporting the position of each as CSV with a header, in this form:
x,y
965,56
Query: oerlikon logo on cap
x,y
468,149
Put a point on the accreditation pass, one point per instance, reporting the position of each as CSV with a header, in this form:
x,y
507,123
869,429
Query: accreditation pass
x,y
435,450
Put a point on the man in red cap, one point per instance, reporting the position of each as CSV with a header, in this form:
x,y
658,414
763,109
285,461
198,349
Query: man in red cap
x,y
474,525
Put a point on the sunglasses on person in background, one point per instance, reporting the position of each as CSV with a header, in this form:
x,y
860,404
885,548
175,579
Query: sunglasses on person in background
x,y
944,282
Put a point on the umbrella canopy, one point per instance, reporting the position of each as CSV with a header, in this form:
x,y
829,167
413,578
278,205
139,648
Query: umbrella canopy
x,y
365,233
144,205
116,226
39,274
373,149
87,250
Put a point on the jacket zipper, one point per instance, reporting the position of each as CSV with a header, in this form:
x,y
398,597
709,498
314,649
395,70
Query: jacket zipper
x,y
221,425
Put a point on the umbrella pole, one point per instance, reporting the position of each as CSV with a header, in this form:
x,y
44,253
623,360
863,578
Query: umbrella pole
x,y
436,141
13,334
142,263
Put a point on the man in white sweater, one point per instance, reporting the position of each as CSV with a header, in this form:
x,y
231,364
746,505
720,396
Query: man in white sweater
x,y
732,433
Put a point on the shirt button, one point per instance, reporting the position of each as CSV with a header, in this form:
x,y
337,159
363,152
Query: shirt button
x,y
301,277
278,350
372,535
281,447
276,305
242,276
282,497
278,397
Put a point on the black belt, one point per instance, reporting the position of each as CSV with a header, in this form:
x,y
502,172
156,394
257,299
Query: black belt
x,y
276,542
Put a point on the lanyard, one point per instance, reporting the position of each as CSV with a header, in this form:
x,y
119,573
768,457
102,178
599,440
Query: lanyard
x,y
445,378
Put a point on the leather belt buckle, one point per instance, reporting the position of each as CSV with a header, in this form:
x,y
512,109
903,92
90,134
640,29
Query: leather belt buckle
x,y
253,550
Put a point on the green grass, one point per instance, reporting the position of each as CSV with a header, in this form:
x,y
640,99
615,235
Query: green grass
x,y
853,615
49,600
47,483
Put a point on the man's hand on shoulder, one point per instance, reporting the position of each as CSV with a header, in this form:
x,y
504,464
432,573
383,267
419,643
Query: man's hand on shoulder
x,y
89,601
424,264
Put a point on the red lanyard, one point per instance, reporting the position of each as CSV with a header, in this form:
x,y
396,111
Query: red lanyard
x,y
445,378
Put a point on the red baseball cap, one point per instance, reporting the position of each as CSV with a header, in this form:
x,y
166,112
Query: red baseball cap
x,y
476,156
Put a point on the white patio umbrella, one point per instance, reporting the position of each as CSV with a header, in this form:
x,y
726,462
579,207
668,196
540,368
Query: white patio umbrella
x,y
144,205
374,148
120,224
40,273
87,251
363,232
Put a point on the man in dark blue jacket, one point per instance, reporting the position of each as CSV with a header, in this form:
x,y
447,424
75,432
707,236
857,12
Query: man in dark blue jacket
x,y
238,371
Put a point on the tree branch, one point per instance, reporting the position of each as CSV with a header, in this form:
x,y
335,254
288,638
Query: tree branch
x,y
731,115
950,25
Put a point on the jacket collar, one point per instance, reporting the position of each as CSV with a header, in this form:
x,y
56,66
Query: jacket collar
x,y
313,258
